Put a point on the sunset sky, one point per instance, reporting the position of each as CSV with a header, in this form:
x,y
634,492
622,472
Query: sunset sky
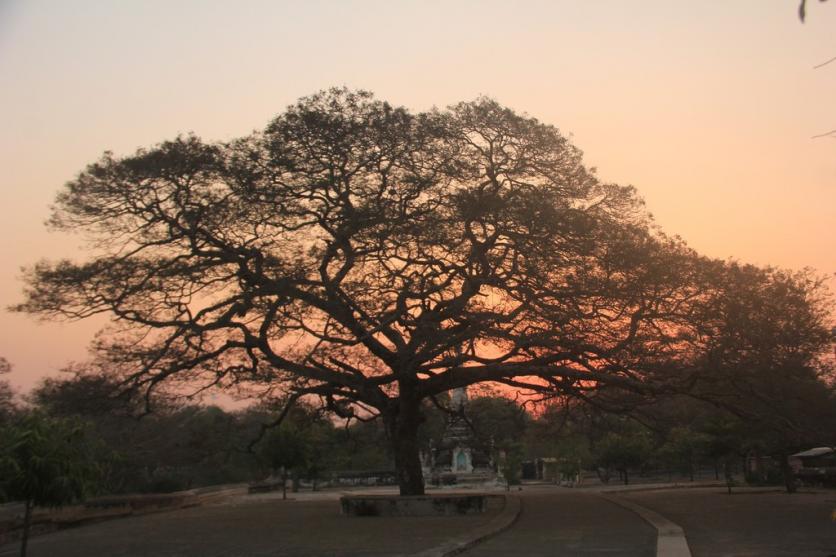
x,y
707,107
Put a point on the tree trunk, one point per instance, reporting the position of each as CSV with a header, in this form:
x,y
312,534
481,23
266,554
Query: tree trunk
x,y
728,474
284,483
27,521
402,423
789,475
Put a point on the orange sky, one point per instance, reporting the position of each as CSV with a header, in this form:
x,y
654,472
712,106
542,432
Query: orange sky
x,y
708,108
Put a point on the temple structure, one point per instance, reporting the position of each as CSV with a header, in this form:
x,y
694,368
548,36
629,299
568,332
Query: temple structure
x,y
459,458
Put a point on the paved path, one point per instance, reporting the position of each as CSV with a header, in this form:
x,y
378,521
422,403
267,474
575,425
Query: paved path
x,y
570,522
553,522
670,537
750,522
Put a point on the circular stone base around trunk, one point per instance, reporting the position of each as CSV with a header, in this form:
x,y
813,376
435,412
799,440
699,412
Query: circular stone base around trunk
x,y
420,505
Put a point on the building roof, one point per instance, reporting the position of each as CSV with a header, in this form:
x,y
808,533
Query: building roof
x,y
818,451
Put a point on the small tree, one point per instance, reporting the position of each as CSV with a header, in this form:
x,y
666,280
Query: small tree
x,y
573,455
498,423
6,393
43,462
284,449
725,442
293,444
510,464
624,451
683,448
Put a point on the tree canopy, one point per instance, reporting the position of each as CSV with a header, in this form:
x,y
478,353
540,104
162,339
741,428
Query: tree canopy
x,y
373,257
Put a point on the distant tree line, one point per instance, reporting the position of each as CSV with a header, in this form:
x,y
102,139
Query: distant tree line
x,y
682,437
181,445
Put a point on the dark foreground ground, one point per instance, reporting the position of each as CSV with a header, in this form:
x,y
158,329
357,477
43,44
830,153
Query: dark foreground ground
x,y
255,527
554,521
750,521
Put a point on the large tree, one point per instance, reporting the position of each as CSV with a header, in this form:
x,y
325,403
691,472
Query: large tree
x,y
767,358
373,258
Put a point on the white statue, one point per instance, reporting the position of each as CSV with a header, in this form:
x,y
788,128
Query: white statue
x,y
458,398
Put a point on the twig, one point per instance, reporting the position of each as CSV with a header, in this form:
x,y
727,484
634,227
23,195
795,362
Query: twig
x,y
831,133
825,63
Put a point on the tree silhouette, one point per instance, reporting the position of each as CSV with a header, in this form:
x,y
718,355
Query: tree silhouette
x,y
766,358
373,258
